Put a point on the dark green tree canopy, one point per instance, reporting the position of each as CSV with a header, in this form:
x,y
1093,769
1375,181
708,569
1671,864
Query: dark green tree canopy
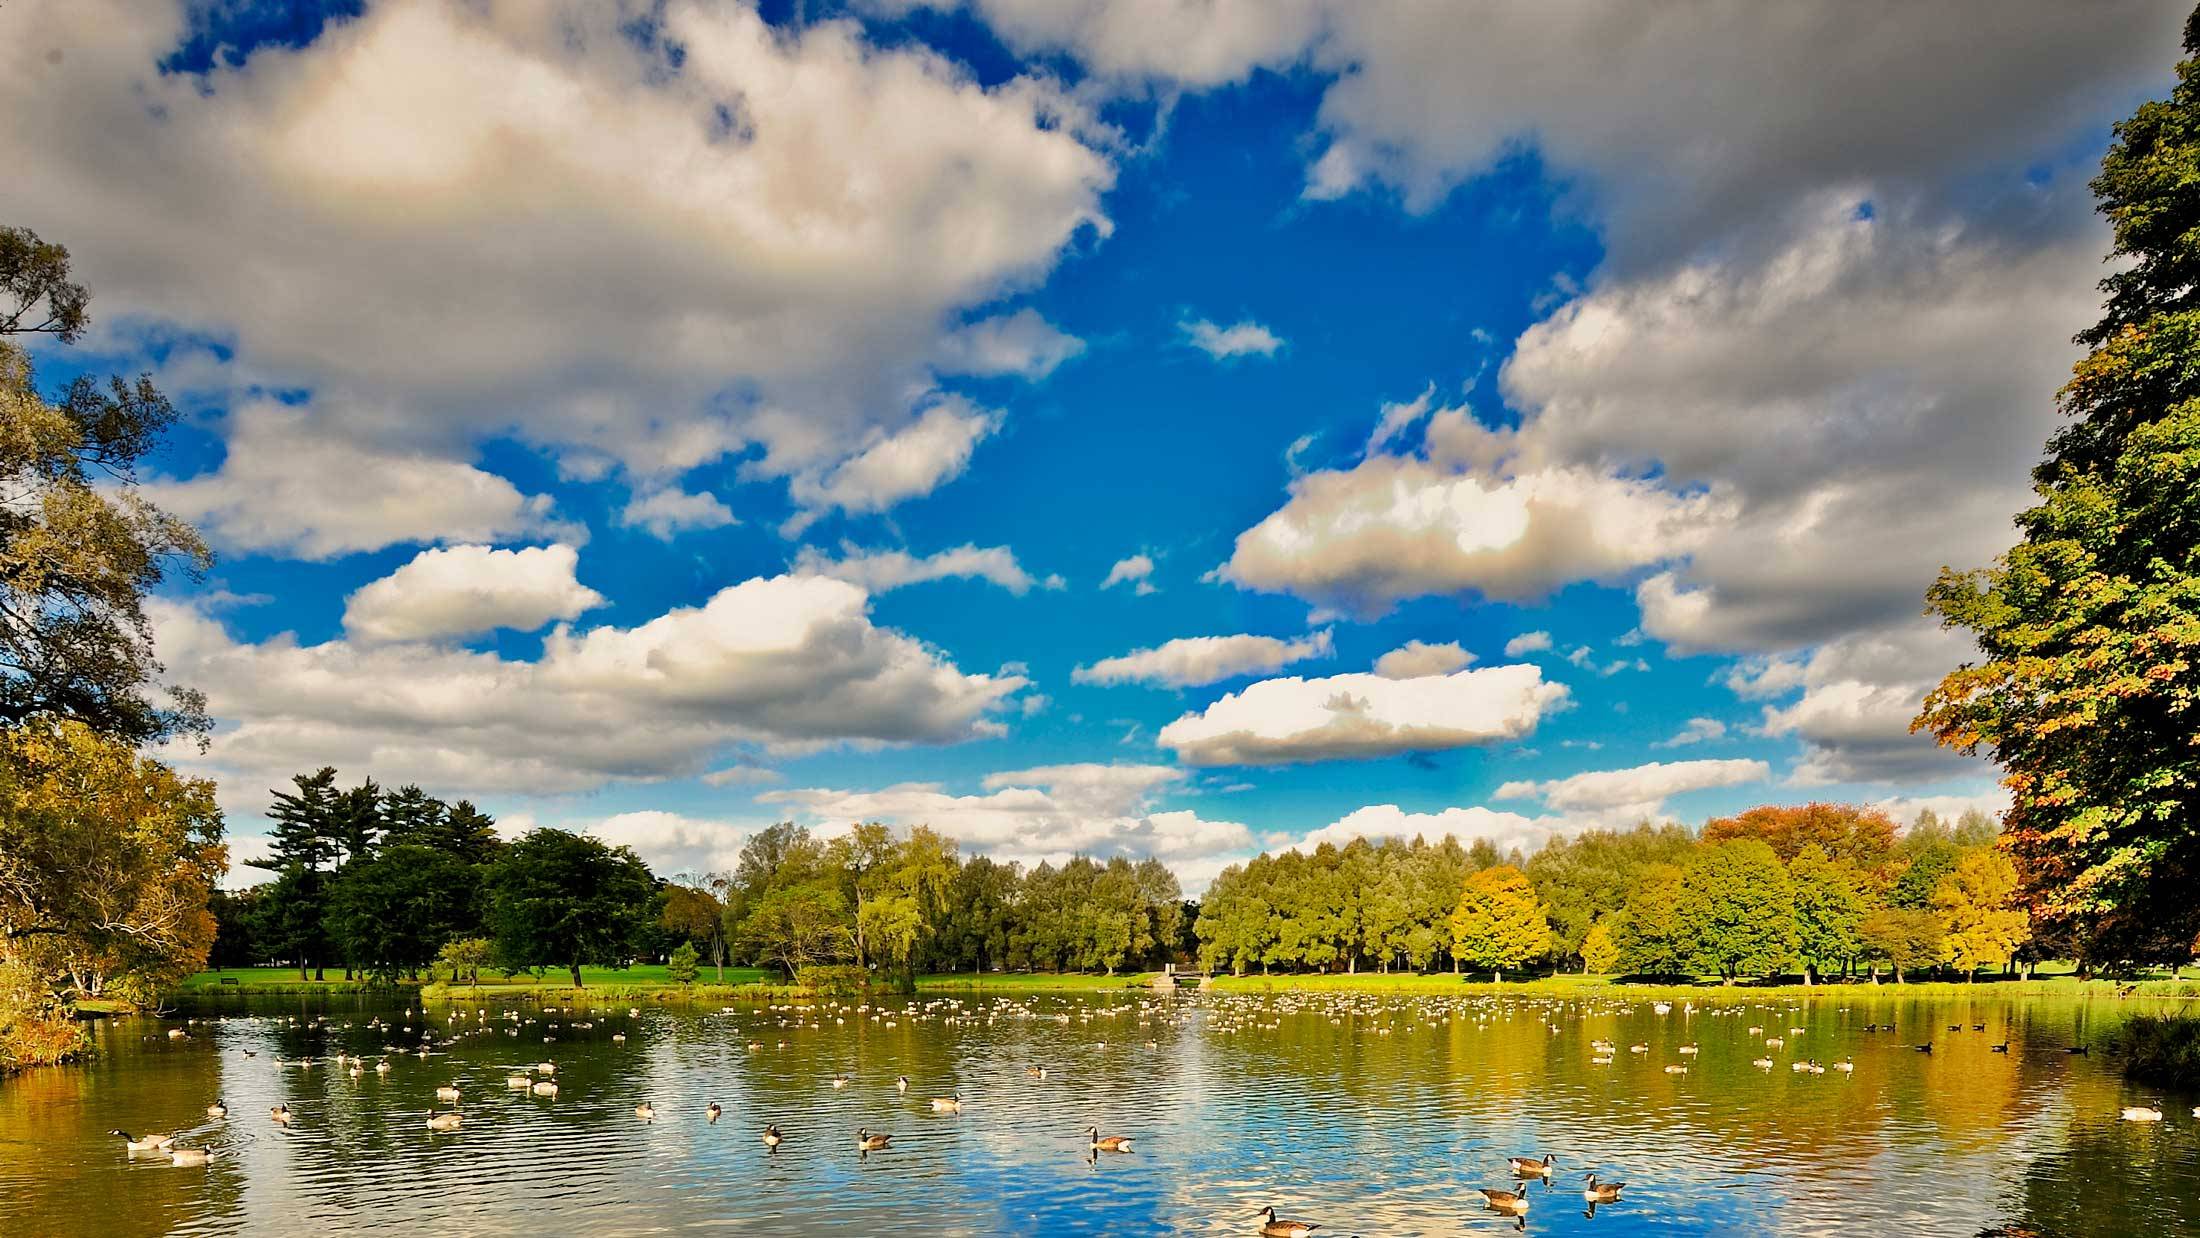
x,y
560,899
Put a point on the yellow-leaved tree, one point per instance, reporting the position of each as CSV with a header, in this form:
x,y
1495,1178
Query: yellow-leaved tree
x,y
1499,922
1980,925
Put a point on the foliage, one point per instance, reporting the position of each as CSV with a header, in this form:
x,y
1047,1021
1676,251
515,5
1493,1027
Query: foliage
x,y
80,546
1651,937
1979,926
392,911
1590,876
1600,954
694,916
682,966
563,899
1831,900
1861,837
107,862
461,960
796,926
1902,938
2090,625
834,980
1737,910
1499,923
2161,1049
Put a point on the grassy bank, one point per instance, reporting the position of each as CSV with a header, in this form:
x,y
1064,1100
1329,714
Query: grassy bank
x,y
2163,1051
1570,985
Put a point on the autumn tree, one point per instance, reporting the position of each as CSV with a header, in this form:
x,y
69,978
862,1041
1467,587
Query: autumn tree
x,y
107,862
1737,910
2085,689
1902,938
1861,837
1599,951
1831,901
81,547
1499,923
1979,926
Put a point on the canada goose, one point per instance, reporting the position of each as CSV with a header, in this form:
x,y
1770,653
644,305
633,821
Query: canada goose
x,y
2003,1047
2080,1050
546,1068
840,1081
443,1121
1688,1050
714,1112
1271,1227
187,1158
1504,1201
218,1110
281,1114
869,1142
947,1104
1927,1047
1762,1063
901,1083
1676,1069
1036,1072
772,1137
1601,1192
546,1088
1109,1143
2141,1113
147,1143
618,1038
646,1111
1530,1167
1846,1066
447,1094
518,1083
382,1067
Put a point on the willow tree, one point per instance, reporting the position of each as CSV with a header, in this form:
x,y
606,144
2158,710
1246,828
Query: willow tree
x,y
2090,624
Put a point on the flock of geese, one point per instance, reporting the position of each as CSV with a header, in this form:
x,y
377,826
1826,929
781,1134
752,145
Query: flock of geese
x,y
1221,1015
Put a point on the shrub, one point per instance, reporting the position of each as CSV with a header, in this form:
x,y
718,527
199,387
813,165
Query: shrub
x,y
834,981
2161,1050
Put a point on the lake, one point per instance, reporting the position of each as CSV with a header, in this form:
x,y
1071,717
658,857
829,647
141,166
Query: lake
x,y
1371,1115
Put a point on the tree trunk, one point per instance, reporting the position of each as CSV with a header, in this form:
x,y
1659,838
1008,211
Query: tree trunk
x,y
1808,970
301,969
575,968
1497,975
319,973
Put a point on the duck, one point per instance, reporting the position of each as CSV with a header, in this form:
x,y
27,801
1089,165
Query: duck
x,y
2141,1113
1109,1143
280,1113
188,1158
1274,1227
772,1137
646,1111
1530,1167
714,1111
218,1110
147,1143
443,1121
947,1104
1601,1192
869,1142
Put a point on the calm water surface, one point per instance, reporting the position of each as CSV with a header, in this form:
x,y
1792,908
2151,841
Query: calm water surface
x,y
1372,1115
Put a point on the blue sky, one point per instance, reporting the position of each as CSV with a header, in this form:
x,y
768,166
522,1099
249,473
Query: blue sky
x,y
556,376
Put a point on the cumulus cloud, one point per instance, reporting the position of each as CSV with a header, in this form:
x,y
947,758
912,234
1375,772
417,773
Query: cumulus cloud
x,y
468,589
654,242
1698,731
1627,795
1415,659
1290,720
1024,344
1857,698
672,844
1208,44
1527,642
1474,514
670,511
771,664
880,570
1194,660
1046,813
289,485
1504,830
1135,571
898,465
1242,339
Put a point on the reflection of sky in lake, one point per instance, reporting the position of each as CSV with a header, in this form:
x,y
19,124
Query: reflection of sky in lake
x,y
1370,1115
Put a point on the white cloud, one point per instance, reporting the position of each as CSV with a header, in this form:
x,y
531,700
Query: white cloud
x,y
1993,801
1396,419
1023,343
1698,731
1194,660
1136,571
1282,721
1527,642
1238,340
527,218
902,464
781,664
1415,659
1474,515
673,844
881,570
289,485
1208,44
1628,795
669,511
1858,696
468,589
1504,830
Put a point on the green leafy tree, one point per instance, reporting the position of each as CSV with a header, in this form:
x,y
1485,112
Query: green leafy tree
x,y
683,965
1737,910
1831,900
81,547
563,899
1651,937
792,927
1902,938
1591,875
1499,923
693,914
461,960
393,911
1599,951
2086,690
1979,926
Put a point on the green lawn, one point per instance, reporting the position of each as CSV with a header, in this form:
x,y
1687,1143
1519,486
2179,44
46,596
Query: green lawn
x,y
285,979
1035,982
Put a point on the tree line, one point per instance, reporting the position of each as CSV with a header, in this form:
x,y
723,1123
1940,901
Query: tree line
x,y
1818,888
